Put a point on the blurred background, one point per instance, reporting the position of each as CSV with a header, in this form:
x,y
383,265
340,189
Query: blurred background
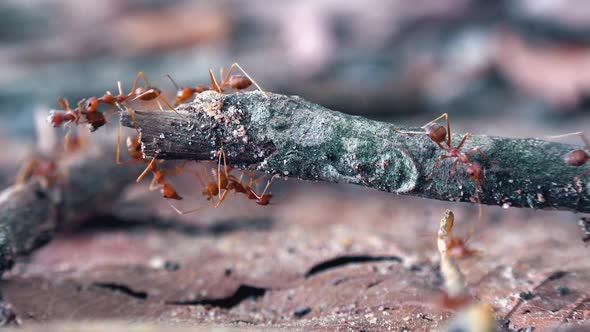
x,y
510,68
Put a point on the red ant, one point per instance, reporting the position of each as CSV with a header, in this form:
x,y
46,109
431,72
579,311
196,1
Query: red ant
x,y
577,157
439,134
226,183
159,181
236,82
67,116
145,93
36,167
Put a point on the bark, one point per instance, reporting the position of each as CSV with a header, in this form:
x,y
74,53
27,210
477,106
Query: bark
x,y
292,137
31,213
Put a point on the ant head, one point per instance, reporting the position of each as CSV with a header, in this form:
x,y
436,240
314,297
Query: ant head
x,y
577,157
239,82
169,192
95,120
92,104
436,132
475,172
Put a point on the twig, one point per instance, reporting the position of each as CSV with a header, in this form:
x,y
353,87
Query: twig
x,y
31,213
290,136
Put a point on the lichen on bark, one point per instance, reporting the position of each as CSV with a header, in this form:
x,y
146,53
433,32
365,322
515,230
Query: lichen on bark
x,y
292,137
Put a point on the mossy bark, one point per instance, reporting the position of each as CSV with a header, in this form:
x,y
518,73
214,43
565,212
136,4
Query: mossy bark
x,y
290,136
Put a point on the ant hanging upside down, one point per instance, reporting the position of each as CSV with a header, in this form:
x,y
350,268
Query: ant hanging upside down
x,y
159,180
225,183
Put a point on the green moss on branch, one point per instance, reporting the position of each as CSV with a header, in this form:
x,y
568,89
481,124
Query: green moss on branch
x,y
290,136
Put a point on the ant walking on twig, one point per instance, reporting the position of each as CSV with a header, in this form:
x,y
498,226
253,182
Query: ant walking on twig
x,y
236,82
443,138
439,135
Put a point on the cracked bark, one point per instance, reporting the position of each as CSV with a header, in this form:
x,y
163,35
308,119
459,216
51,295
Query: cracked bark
x,y
292,137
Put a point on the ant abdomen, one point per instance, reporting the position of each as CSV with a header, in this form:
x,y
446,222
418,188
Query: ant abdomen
x,y
576,157
95,120
169,192
436,132
239,82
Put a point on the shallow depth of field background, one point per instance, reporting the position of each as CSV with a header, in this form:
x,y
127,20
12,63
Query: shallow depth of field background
x,y
512,68
506,68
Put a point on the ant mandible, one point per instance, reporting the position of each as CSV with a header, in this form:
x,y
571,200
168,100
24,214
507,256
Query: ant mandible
x,y
236,82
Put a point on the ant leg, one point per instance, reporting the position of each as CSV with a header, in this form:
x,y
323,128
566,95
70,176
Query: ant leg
x,y
410,132
586,172
199,178
141,74
436,164
579,133
221,199
154,185
236,65
226,174
268,185
177,169
67,139
472,151
146,170
165,101
24,173
448,122
453,168
214,85
465,137
182,213
173,81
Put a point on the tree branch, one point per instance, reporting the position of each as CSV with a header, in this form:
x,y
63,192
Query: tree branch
x,y
31,213
290,136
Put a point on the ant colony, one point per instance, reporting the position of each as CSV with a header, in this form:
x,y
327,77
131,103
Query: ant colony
x,y
217,182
